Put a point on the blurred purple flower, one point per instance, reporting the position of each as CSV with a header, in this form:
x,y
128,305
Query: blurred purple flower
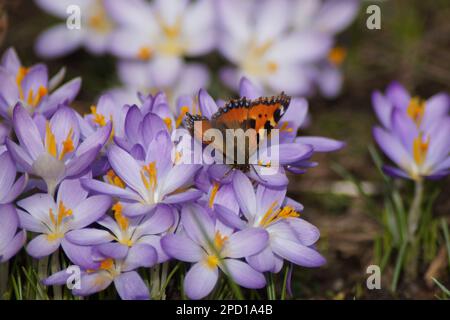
x,y
94,32
415,133
206,245
51,219
51,149
10,188
32,88
10,240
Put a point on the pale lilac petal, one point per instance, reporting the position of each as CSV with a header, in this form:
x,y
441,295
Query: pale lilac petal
x,y
8,224
71,193
90,210
140,255
179,176
321,144
155,242
89,236
58,41
197,223
41,247
207,104
130,286
30,223
27,132
137,209
160,221
182,248
335,16
200,280
105,188
13,246
80,255
114,250
38,206
58,278
395,172
229,217
392,147
245,195
78,164
436,107
17,188
249,90
7,174
263,261
91,283
245,243
296,252
307,233
186,196
398,95
99,138
244,275
383,108
19,155
66,93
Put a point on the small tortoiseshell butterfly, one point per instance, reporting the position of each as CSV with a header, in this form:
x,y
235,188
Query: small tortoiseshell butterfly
x,y
243,113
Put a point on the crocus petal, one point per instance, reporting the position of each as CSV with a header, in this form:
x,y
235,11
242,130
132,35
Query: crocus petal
x,y
245,243
263,261
91,283
90,210
41,246
65,93
89,236
321,144
248,89
38,206
395,172
200,280
228,217
383,108
398,95
307,233
13,246
182,248
30,223
244,275
27,132
197,223
81,256
179,176
105,188
78,164
19,155
207,104
140,255
114,250
16,189
245,196
99,138
392,147
183,197
58,278
8,223
296,252
437,106
161,220
137,209
130,286
71,193
58,41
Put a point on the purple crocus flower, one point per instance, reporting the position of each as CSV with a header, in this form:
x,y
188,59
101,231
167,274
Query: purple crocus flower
x,y
94,32
161,33
98,271
415,133
209,248
272,55
31,87
290,237
51,149
10,240
143,184
10,188
52,219
122,233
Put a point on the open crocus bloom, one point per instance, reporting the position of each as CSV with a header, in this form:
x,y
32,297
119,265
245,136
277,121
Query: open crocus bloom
x,y
10,189
143,184
162,33
123,233
207,245
10,240
270,54
73,209
93,33
51,149
415,132
290,237
424,113
100,271
32,88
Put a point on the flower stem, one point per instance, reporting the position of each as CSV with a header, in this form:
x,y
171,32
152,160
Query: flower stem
x,y
55,267
4,272
415,211
155,282
162,289
271,294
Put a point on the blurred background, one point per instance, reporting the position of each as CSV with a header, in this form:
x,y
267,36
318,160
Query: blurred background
x,y
413,47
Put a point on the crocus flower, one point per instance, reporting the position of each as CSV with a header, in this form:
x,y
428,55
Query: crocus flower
x,y
290,237
271,55
52,219
162,33
31,87
141,185
415,133
10,188
51,149
209,249
122,233
10,240
98,271
93,33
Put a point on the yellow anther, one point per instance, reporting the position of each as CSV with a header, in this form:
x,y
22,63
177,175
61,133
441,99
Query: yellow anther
x,y
272,66
214,190
168,123
337,55
219,240
21,73
285,127
50,141
98,117
212,261
420,149
107,264
120,219
416,109
151,171
33,100
183,111
63,212
67,145
144,53
262,164
114,179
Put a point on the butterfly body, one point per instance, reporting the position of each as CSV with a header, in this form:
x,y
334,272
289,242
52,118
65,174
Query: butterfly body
x,y
257,118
